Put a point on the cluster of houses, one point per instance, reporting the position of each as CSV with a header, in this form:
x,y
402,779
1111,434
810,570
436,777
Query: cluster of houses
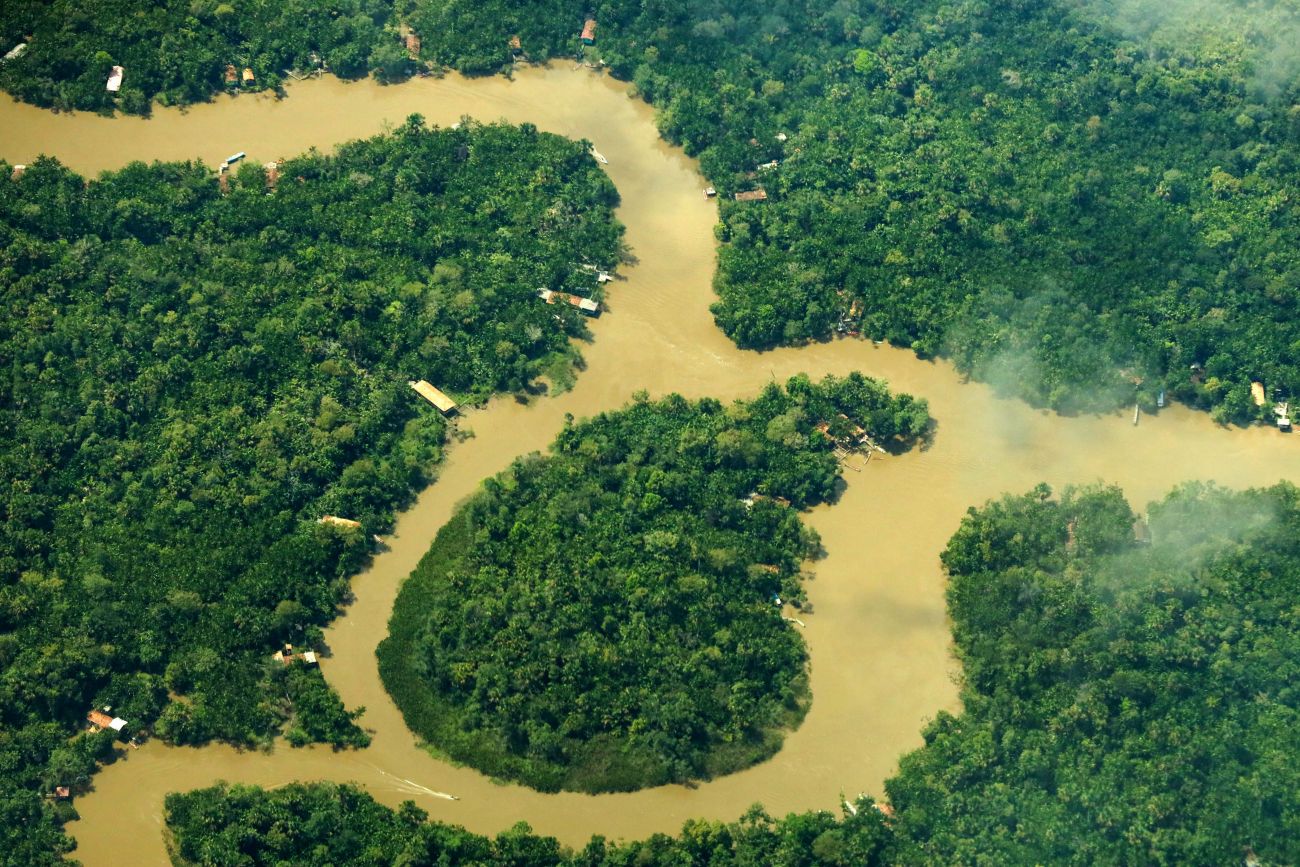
x,y
1281,409
234,77
856,436
584,305
272,169
848,321
758,194
100,719
287,654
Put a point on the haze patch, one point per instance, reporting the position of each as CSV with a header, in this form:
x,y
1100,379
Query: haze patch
x,y
1189,530
1264,36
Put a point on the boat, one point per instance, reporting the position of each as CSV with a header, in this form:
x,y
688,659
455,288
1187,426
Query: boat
x,y
234,158
1160,401
600,157
1137,411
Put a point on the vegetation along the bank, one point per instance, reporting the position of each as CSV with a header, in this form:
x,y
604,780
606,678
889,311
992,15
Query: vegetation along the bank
x,y
320,823
1086,203
194,378
1129,697
609,616
1130,690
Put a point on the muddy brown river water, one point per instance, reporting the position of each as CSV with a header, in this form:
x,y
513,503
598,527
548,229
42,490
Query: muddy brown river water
x,y
881,661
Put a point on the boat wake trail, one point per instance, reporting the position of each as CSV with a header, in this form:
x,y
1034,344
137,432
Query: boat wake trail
x,y
410,787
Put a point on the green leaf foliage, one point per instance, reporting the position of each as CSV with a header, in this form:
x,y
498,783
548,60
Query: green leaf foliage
x,y
193,378
176,52
1129,698
1081,202
1123,702
605,617
322,824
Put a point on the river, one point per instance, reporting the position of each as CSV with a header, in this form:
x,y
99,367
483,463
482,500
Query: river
x,y
881,660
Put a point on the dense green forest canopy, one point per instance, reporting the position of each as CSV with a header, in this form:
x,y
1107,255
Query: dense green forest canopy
x,y
1123,702
1129,697
320,823
1085,202
1076,211
194,378
609,616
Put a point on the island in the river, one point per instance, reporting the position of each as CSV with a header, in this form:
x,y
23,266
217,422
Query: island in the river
x,y
209,415
622,612
1129,695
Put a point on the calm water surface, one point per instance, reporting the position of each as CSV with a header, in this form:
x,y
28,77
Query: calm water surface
x,y
881,662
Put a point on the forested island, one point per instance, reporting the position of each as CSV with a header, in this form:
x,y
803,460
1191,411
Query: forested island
x,y
609,616
1129,696
197,372
1084,203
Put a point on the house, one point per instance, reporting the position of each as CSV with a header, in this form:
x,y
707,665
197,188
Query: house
x,y
232,74
1257,393
62,793
1282,411
114,83
767,167
17,172
710,192
272,173
756,497
516,47
782,137
589,32
759,195
444,404
413,46
16,52
249,78
336,521
99,720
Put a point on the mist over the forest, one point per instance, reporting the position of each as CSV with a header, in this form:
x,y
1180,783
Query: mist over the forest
x,y
1266,33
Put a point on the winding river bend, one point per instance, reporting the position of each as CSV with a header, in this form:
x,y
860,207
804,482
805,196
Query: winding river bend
x,y
881,663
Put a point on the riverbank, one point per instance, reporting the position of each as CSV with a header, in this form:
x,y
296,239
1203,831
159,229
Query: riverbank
x,y
879,638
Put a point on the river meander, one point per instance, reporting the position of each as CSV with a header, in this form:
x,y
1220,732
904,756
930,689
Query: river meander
x,y
881,662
